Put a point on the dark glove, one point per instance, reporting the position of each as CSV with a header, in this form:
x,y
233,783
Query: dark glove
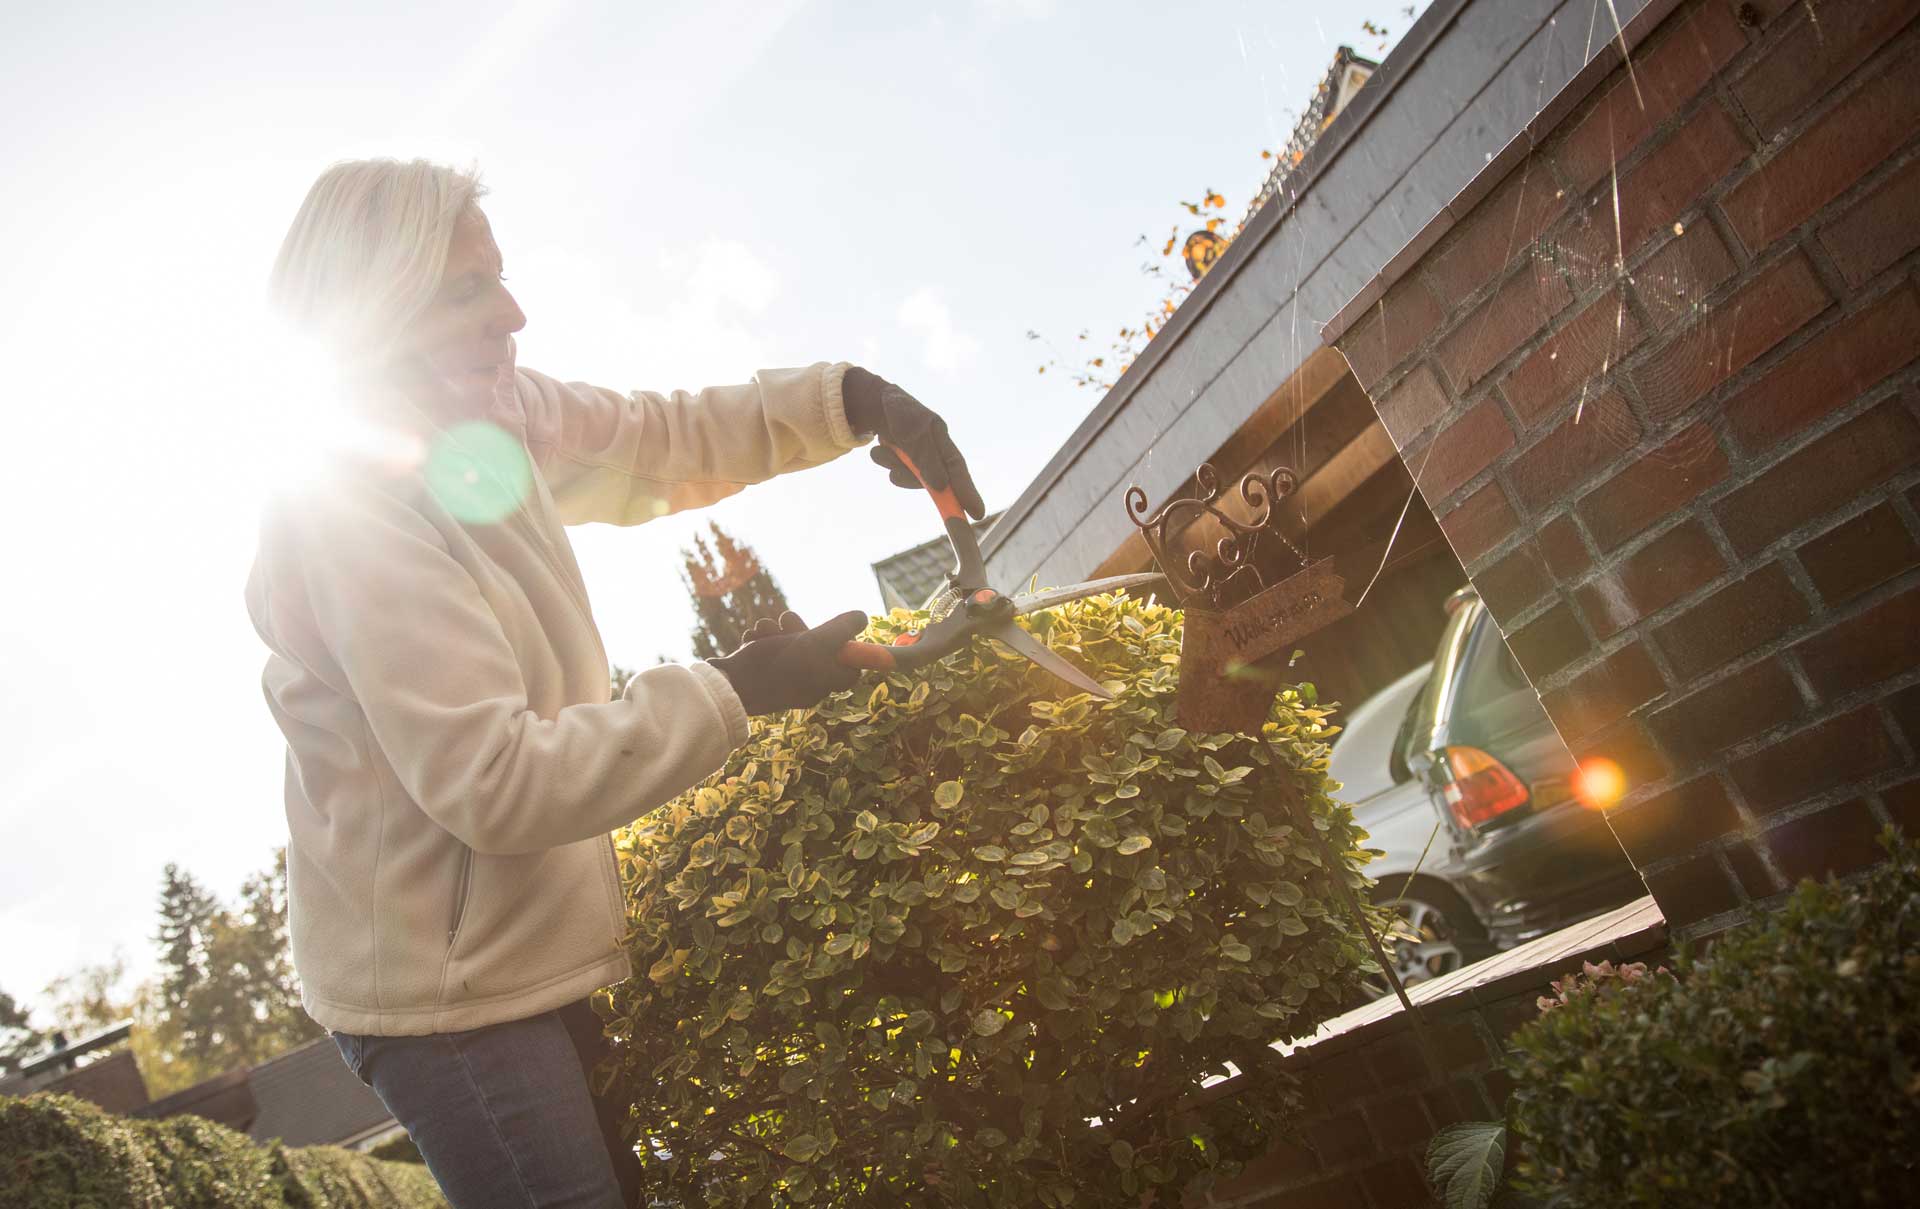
x,y
785,665
876,405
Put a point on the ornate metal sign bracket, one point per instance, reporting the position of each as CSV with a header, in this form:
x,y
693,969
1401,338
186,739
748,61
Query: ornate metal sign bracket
x,y
1228,677
1235,619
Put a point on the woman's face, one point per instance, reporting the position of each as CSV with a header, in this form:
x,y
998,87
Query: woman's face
x,y
459,352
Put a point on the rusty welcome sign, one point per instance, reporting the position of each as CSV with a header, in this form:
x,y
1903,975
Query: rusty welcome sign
x,y
1236,623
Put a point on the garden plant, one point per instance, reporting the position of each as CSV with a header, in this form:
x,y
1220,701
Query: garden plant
x,y
61,1152
1778,1067
955,938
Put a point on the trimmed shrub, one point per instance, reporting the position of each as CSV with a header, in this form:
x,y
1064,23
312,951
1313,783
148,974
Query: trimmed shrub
x,y
1782,1067
397,1150
904,946
61,1152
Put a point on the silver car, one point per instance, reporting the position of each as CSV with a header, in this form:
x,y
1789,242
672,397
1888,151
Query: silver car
x,y
1460,779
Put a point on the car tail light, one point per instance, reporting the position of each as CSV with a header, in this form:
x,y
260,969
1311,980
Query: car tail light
x,y
1482,787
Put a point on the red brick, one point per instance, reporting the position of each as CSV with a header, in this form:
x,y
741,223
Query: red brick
x,y
1673,565
1461,450
1883,641
1339,1140
1827,843
1499,229
1484,338
1397,1061
1399,1122
1656,191
1705,723
1904,708
1460,1100
1458,1045
1504,1016
1750,873
1903,806
1777,302
1416,401
1676,822
1664,77
1594,340
1691,891
1764,12
1826,159
1736,619
1878,230
1337,1081
1626,744
1482,521
1500,1085
1577,447
1815,480
1828,372
1396,1184
1390,330
1549,642
1565,550
1334,1192
1814,54
1785,773
1860,554
1604,693
1514,583
1672,282
1283,1163
1652,487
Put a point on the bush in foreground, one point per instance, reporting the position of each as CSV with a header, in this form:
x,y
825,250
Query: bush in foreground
x,y
1782,1068
60,1152
905,945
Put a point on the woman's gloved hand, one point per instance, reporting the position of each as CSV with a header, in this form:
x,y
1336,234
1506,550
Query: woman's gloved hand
x,y
785,665
876,405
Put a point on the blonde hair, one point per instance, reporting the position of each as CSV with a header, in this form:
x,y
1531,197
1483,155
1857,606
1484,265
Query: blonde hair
x,y
365,254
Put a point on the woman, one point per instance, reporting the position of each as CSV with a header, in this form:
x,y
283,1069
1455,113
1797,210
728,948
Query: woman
x,y
454,763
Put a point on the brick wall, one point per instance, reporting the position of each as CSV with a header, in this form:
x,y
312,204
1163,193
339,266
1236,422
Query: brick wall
x,y
1659,387
1371,1104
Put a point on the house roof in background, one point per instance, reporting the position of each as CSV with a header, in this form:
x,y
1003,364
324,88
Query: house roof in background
x,y
308,1097
908,578
1467,77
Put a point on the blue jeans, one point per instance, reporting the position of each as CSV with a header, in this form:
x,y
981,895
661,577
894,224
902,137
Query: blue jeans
x,y
502,1114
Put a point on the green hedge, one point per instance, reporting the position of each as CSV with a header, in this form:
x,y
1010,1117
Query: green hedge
x,y
1782,1067
60,1152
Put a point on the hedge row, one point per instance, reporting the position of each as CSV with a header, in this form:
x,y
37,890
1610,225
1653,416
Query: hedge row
x,y
60,1152
1779,1068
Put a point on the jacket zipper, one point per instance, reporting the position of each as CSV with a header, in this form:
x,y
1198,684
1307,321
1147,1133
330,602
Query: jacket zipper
x,y
619,899
460,896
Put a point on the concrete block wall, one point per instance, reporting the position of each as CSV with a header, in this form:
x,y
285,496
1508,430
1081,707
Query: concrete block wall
x,y
1659,386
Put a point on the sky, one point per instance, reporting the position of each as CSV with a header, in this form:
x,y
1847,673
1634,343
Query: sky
x,y
683,194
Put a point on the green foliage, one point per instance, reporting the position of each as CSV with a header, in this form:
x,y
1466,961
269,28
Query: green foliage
x,y
60,1152
1782,1067
1464,1163
227,996
903,946
398,1150
19,1039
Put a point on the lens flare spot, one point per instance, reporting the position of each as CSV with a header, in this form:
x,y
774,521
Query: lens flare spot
x,y
1599,783
478,472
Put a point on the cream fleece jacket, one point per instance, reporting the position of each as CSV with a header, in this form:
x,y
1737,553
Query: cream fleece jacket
x,y
454,765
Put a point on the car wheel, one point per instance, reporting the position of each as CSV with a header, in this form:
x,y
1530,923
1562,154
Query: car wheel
x,y
1440,935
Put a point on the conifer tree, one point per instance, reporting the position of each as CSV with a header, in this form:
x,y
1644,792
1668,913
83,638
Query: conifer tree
x,y
19,1040
731,590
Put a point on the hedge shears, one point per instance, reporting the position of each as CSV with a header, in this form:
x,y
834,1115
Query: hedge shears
x,y
968,606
